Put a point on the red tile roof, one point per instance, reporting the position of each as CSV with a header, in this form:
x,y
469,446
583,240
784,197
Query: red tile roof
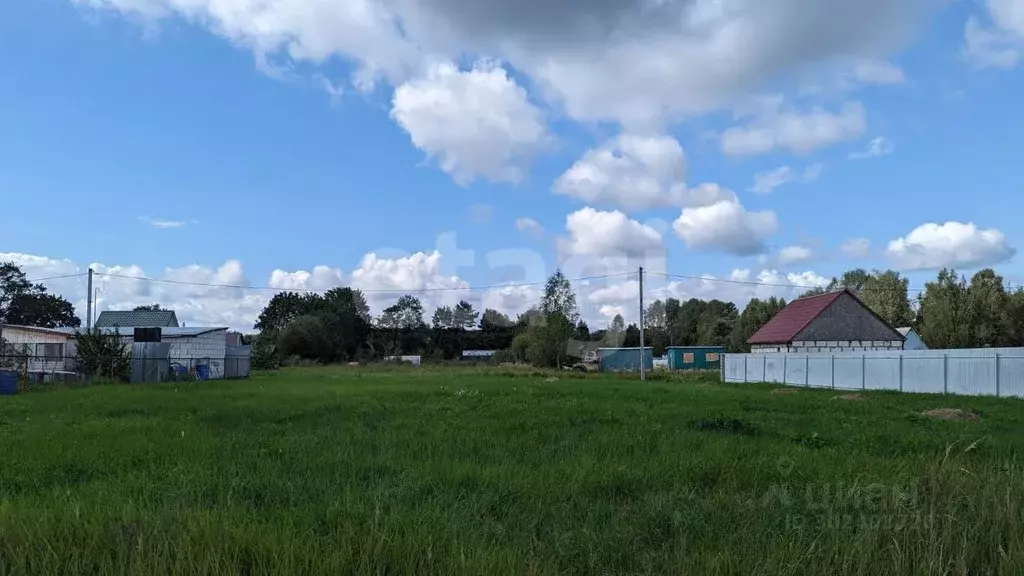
x,y
793,318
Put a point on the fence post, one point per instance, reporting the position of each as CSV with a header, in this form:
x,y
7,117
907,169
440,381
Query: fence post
x,y
832,369
863,372
745,368
901,372
785,366
945,373
764,369
807,370
997,374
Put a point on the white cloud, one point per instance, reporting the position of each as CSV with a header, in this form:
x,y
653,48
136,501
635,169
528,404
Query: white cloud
x,y
794,254
726,226
878,72
797,132
875,148
630,172
476,122
953,244
162,223
765,182
598,233
1000,43
856,248
530,226
740,286
322,278
636,62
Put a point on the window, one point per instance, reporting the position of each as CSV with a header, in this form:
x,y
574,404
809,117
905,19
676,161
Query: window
x,y
50,351
712,357
688,358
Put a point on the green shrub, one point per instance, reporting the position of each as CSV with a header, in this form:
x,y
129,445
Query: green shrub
x,y
104,356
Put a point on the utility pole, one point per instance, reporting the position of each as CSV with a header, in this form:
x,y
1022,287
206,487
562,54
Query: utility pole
x,y
643,351
88,305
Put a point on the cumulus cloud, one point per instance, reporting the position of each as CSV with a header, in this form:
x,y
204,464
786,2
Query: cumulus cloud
x,y
765,182
225,296
794,254
795,131
726,226
953,244
476,122
856,248
598,233
999,42
529,226
631,61
630,172
878,72
876,147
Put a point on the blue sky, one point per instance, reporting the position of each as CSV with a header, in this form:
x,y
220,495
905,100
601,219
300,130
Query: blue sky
x,y
166,138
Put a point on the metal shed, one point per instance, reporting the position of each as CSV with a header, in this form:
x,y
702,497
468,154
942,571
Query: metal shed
x,y
694,357
624,359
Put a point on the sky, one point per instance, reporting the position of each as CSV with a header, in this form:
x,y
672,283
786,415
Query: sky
x,y
205,154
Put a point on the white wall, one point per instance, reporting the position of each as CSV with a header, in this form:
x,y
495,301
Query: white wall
x,y
829,346
211,345
19,337
976,372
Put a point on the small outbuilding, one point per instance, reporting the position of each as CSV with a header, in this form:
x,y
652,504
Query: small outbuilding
x,y
913,339
833,322
694,357
624,359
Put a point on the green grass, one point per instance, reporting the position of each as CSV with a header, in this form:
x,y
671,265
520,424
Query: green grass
x,y
351,470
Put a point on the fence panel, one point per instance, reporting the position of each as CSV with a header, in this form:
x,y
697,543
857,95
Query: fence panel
x,y
975,372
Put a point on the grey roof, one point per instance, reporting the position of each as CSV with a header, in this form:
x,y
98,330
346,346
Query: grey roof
x,y
171,332
137,318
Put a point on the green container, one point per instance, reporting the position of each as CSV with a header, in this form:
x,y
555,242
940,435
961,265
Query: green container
x,y
625,359
694,357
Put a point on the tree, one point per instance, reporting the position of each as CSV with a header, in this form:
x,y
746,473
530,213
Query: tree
x,y
463,316
989,302
103,355
559,298
43,310
946,312
444,318
886,294
148,308
853,280
283,308
25,303
560,316
655,315
756,314
346,318
672,309
493,321
402,317
715,323
631,337
306,338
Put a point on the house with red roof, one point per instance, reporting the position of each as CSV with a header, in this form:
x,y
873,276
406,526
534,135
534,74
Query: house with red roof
x,y
833,322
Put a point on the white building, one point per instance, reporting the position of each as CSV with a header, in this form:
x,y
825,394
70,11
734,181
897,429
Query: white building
x,y
35,349
913,341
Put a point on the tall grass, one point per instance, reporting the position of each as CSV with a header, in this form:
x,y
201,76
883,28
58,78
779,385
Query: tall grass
x,y
404,471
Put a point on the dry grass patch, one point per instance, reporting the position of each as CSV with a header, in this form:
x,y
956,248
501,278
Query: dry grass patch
x,y
953,414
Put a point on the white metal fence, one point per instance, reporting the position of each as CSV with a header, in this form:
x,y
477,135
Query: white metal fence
x,y
975,372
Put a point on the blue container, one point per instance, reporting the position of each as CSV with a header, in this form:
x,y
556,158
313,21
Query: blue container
x,y
624,359
8,382
203,371
694,357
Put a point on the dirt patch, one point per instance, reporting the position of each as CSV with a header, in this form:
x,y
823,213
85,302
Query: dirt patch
x,y
954,414
784,391
552,379
848,397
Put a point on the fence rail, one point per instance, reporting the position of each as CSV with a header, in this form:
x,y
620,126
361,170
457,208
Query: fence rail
x,y
972,372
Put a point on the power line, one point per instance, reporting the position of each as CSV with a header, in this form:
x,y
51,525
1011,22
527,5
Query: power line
x,y
769,284
76,275
367,290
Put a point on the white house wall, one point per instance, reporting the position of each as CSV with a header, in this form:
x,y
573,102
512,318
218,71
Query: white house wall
x,y
210,346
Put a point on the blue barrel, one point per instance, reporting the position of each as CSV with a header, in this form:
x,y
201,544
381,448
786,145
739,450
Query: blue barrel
x,y
8,382
203,371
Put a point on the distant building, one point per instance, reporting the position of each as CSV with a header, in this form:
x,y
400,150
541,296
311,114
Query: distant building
x,y
833,322
625,359
913,341
137,319
477,355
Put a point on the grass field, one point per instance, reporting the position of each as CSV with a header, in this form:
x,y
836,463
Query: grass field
x,y
352,470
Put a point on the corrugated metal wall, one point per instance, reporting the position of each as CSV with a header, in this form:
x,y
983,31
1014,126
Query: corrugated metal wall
x,y
974,372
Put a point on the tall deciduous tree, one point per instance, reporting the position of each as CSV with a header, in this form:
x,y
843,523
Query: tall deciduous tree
x,y
22,302
756,314
886,294
946,312
492,321
990,318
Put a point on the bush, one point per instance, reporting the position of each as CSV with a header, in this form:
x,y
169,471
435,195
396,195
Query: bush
x,y
264,352
503,357
104,356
